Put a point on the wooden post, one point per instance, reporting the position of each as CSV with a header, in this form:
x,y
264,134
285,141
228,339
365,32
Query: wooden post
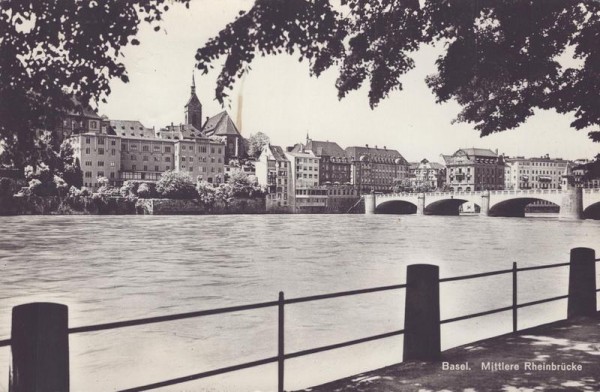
x,y
422,313
40,348
514,296
280,345
582,283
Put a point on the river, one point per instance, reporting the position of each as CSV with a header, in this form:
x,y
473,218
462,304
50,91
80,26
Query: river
x,y
109,268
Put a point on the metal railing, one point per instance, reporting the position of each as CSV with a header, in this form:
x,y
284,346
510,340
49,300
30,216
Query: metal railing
x,y
281,302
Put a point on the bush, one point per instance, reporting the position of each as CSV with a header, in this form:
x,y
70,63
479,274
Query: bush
x,y
174,185
129,189
145,191
8,187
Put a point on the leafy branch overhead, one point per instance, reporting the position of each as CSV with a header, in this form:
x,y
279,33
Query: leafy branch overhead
x,y
501,58
52,51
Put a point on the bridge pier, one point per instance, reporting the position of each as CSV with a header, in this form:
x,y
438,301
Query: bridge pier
x,y
369,203
421,204
485,204
571,206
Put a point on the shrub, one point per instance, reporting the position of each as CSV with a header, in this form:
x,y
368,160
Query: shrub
x,y
176,185
8,187
129,189
144,191
206,192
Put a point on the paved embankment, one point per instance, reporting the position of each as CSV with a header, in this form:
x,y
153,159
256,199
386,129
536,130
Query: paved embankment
x,y
572,345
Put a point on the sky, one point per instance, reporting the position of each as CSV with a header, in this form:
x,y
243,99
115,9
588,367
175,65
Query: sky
x,y
283,101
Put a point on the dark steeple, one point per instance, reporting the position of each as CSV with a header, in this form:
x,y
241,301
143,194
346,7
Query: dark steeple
x,y
193,108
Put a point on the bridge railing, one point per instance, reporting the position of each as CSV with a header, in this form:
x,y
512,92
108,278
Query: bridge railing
x,y
39,336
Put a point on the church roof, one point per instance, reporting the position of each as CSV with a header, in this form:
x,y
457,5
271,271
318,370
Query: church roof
x,y
220,125
193,100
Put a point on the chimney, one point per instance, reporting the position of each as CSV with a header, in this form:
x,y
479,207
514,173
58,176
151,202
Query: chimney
x,y
366,145
384,147
376,146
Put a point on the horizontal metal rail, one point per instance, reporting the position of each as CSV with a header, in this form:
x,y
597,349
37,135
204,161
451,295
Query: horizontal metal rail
x,y
343,294
542,301
341,345
5,342
201,313
261,362
198,376
538,267
473,276
173,317
473,315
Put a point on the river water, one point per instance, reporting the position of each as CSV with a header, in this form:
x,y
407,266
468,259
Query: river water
x,y
109,268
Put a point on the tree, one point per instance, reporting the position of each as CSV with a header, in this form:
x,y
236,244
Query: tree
x,y
52,52
175,185
256,143
500,60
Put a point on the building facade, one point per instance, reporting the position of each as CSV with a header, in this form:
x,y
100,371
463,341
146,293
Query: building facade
x,y
428,176
474,169
308,196
273,170
376,169
334,166
534,173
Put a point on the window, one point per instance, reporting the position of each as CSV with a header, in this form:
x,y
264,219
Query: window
x,y
156,168
191,168
191,159
101,151
133,158
145,168
156,148
88,140
145,148
219,150
133,146
167,159
113,152
212,150
112,174
101,163
101,140
113,142
133,168
168,167
100,174
87,150
203,149
88,174
182,159
145,158
112,164
167,149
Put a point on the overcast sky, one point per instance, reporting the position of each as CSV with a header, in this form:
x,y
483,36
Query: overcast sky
x,y
283,101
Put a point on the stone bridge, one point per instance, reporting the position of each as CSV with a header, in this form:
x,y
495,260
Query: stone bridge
x,y
574,203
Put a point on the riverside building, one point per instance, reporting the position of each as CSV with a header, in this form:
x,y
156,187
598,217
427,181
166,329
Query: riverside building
x,y
534,173
474,169
308,196
127,150
376,169
273,170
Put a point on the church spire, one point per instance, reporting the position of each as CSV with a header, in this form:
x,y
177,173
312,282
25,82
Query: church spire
x,y
193,83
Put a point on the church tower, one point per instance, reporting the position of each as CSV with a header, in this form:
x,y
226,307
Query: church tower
x,y
193,108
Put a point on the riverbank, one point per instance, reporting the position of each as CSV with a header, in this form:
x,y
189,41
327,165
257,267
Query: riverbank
x,y
513,362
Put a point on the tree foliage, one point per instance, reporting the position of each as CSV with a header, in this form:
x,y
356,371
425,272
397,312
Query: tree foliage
x,y
256,143
501,58
53,51
176,185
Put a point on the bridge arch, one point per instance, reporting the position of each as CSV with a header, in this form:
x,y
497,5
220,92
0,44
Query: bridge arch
x,y
515,207
592,211
449,206
396,207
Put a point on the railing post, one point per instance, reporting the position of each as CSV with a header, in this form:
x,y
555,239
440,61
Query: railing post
x,y
40,348
582,283
280,344
422,313
514,296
